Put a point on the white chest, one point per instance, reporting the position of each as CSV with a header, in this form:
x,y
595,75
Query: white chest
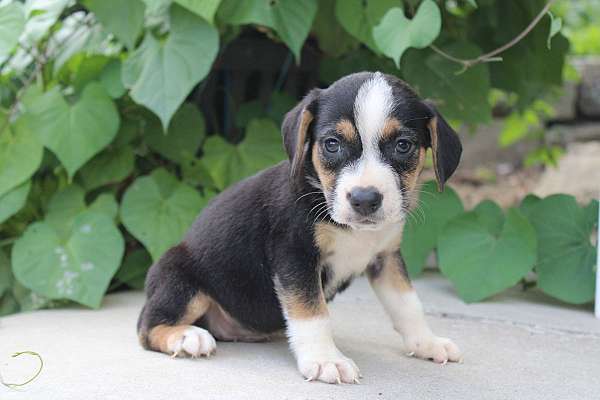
x,y
349,252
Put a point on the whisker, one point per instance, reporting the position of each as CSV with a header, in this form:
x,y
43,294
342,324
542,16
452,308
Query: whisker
x,y
307,194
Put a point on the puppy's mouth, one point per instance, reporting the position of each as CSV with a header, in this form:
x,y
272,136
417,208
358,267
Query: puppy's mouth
x,y
366,224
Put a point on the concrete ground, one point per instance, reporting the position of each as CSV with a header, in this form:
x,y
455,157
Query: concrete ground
x,y
517,346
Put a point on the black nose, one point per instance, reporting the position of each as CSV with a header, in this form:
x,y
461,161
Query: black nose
x,y
365,201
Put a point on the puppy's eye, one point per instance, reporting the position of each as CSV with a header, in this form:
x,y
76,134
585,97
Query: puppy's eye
x,y
403,146
332,145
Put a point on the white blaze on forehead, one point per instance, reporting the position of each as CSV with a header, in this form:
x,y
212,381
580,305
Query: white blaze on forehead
x,y
374,103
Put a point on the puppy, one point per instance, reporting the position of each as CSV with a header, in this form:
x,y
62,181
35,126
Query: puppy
x,y
269,253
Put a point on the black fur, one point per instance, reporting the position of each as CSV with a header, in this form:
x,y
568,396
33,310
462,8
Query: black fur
x,y
262,227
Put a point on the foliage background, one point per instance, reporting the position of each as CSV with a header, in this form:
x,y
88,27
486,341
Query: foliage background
x,y
119,120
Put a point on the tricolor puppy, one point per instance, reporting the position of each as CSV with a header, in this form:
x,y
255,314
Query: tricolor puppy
x,y
269,253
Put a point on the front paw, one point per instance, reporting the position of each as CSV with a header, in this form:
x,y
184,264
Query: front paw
x,y
439,349
336,369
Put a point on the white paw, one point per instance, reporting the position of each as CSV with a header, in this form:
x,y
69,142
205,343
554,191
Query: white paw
x,y
194,342
336,369
439,349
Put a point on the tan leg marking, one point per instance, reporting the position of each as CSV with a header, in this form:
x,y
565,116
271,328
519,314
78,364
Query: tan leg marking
x,y
406,312
183,338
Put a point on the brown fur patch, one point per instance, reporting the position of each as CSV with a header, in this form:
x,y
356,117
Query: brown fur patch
x,y
327,178
324,234
390,127
345,128
390,272
195,309
163,337
434,150
299,153
298,308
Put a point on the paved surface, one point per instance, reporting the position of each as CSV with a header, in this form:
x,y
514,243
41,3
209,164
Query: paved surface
x,y
516,346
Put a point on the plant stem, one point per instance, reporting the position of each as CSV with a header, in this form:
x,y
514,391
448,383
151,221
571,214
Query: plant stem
x,y
491,56
37,373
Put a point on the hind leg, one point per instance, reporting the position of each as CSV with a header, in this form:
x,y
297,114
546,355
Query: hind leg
x,y
173,304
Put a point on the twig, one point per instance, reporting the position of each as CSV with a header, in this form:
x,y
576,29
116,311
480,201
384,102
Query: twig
x,y
491,56
37,373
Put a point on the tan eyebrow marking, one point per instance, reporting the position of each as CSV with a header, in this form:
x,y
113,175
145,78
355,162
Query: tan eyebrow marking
x,y
345,128
390,127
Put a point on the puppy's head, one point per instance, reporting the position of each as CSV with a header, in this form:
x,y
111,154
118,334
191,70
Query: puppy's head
x,y
362,141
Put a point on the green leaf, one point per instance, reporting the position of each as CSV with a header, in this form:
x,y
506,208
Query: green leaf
x,y
204,8
134,269
424,224
228,163
13,200
5,274
75,132
291,19
69,202
528,204
105,204
78,267
161,74
566,256
125,19
183,138
529,67
173,206
491,216
332,37
459,96
396,33
481,264
12,23
110,78
20,154
555,27
111,166
358,18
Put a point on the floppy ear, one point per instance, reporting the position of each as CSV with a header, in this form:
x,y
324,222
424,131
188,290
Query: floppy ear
x,y
445,146
295,130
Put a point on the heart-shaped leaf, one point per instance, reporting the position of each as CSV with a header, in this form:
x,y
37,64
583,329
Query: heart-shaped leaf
x,y
66,204
12,201
75,132
112,165
182,140
481,264
291,19
161,74
204,8
491,216
78,266
424,224
20,154
228,163
358,18
125,19
172,205
395,33
566,256
12,23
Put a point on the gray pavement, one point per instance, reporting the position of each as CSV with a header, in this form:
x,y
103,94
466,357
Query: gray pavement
x,y
516,346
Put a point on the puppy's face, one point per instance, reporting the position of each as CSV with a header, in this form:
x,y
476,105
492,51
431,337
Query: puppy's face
x,y
364,145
